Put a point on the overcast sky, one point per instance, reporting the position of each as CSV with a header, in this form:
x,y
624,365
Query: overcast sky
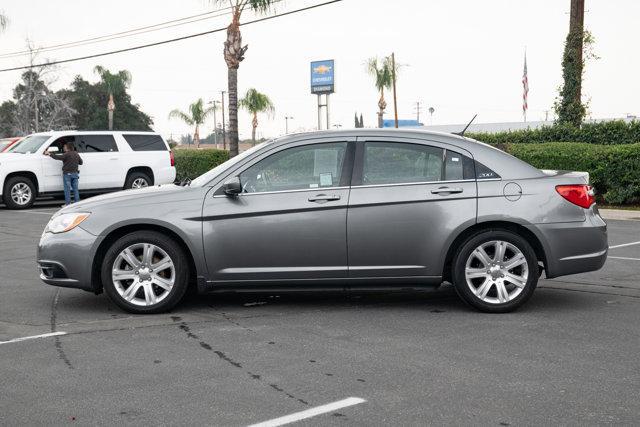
x,y
461,56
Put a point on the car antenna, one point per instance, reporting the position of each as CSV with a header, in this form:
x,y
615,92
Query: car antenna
x,y
466,127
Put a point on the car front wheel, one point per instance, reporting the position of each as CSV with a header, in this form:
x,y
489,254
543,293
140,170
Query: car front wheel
x,y
495,271
19,193
145,272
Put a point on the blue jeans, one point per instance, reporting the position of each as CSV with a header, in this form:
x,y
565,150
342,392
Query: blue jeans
x,y
70,184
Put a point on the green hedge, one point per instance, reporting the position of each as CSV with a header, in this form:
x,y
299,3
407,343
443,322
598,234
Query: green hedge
x,y
193,163
614,170
605,133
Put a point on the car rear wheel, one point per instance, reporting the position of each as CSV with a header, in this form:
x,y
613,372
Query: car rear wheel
x,y
137,180
19,193
495,271
145,272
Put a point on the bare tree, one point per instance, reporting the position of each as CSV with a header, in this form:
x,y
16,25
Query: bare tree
x,y
37,106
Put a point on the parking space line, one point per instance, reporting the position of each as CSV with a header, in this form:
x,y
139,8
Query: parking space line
x,y
31,212
623,257
318,410
624,245
32,337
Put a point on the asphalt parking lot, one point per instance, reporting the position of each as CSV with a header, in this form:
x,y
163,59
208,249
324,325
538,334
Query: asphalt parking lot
x,y
570,356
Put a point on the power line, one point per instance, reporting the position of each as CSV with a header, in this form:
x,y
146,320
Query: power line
x,y
204,33
115,35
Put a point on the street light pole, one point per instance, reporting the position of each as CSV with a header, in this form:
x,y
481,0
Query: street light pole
x,y
215,122
224,133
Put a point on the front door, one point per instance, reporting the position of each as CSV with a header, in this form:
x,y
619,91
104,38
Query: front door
x,y
407,198
289,223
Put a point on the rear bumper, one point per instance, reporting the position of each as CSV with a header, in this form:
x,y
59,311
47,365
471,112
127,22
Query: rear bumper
x,y
574,247
164,175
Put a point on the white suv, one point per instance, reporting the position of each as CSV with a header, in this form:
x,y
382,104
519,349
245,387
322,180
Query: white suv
x,y
111,161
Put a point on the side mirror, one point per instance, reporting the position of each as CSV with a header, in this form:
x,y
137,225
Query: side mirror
x,y
232,187
53,149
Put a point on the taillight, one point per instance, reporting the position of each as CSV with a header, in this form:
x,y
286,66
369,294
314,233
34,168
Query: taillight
x,y
172,158
581,195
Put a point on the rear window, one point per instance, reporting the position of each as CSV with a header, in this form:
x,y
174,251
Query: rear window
x,y
146,142
95,144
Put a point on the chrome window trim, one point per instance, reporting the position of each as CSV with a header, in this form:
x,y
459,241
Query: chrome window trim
x,y
412,183
302,190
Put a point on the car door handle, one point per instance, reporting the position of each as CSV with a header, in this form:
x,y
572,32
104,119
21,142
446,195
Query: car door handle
x,y
113,158
324,198
447,190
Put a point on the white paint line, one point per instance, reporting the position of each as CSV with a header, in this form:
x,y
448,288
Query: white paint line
x,y
31,212
318,410
624,244
622,257
32,337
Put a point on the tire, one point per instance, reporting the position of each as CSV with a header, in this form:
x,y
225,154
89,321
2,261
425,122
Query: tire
x,y
491,286
135,178
19,192
156,292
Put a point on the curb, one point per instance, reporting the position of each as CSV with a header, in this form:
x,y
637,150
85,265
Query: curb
x,y
620,214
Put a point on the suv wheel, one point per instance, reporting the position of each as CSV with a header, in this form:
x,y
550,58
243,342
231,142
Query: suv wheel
x,y
145,272
19,193
495,271
137,180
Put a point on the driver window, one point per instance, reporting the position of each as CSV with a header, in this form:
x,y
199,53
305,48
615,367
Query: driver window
x,y
59,143
306,167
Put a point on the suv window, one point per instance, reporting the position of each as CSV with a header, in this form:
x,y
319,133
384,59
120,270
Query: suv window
x,y
305,167
397,162
95,143
145,142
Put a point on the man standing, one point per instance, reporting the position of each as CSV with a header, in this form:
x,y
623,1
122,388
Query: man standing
x,y
70,172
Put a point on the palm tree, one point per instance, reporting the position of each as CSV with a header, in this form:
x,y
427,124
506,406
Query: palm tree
x,y
234,54
255,102
382,72
118,82
195,117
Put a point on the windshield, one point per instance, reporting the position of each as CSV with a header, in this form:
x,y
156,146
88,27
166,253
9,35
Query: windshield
x,y
30,144
208,176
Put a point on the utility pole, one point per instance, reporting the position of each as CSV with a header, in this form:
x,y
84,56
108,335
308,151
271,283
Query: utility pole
x,y
224,133
395,98
286,124
418,111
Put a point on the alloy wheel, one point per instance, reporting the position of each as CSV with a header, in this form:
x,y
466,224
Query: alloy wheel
x,y
143,274
21,194
496,272
139,183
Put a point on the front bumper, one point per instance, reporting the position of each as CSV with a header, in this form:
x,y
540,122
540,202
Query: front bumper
x,y
574,247
66,259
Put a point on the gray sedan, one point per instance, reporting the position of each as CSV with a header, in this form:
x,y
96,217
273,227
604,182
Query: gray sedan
x,y
346,210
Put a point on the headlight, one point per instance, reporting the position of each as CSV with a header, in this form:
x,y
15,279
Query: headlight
x,y
65,222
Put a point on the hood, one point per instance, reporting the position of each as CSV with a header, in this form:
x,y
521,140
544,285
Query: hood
x,y
140,196
4,157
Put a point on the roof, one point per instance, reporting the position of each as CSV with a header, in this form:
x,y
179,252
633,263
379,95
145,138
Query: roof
x,y
97,132
503,163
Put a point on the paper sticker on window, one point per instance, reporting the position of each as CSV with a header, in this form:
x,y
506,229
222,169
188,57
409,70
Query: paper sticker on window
x,y
326,180
455,159
313,185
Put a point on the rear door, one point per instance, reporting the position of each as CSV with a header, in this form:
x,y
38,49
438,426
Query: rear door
x,y
102,165
407,198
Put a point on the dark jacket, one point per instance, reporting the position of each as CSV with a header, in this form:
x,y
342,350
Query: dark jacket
x,y
70,161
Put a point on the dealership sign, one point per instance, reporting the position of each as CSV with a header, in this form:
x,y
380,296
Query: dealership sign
x,y
322,77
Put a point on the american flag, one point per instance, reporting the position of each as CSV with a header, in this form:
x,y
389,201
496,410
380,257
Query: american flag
x,y
525,89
